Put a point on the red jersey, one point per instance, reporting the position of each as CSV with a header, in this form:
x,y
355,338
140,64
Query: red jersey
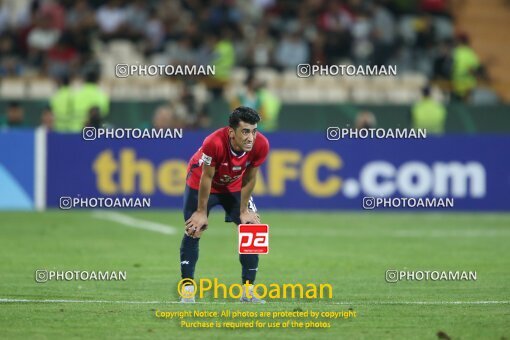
x,y
229,166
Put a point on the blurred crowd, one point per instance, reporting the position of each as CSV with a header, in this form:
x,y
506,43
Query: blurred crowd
x,y
57,36
60,38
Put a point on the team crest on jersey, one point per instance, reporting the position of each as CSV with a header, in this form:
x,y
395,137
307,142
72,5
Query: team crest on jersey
x,y
226,179
206,159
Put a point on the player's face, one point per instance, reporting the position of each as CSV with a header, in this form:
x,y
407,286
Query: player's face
x,y
243,137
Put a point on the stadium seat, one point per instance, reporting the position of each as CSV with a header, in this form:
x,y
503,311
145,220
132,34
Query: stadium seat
x,y
412,80
268,76
12,88
238,75
124,51
41,88
367,95
402,95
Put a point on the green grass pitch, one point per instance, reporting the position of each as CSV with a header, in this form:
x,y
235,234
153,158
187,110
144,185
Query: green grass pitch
x,y
351,251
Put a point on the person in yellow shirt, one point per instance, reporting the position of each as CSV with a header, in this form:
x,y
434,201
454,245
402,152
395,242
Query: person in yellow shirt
x,y
222,56
466,65
428,114
261,100
61,104
89,96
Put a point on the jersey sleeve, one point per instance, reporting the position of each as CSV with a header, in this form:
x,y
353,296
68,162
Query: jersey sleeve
x,y
261,152
210,152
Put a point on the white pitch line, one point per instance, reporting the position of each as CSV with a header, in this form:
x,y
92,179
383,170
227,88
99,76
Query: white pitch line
x,y
134,222
362,303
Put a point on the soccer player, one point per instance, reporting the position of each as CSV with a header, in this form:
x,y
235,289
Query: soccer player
x,y
223,172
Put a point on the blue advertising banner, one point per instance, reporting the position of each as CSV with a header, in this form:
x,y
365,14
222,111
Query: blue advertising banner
x,y
303,170
17,169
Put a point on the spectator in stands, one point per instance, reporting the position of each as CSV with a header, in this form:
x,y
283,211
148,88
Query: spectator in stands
x,y
260,49
425,32
62,58
5,16
154,32
336,22
223,13
181,52
292,50
466,66
383,32
337,46
336,18
272,105
222,55
88,96
94,119
137,18
41,38
111,18
362,45
15,116
10,61
438,7
365,120
250,96
428,114
164,118
80,17
190,110
443,61
61,104
257,97
81,23
47,118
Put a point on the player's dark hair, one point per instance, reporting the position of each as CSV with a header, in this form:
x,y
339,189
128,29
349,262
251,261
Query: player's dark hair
x,y
245,114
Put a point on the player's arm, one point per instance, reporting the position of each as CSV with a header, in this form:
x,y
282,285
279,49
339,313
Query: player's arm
x,y
197,223
248,184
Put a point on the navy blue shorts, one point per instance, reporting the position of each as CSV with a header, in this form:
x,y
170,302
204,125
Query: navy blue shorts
x,y
231,203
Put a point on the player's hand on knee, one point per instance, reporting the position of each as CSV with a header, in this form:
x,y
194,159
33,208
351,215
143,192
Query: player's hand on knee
x,y
249,217
196,224
199,232
195,232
